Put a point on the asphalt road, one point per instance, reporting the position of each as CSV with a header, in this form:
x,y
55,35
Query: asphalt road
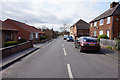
x,y
59,59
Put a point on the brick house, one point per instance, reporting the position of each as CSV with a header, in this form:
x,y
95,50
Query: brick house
x,y
8,33
25,31
107,23
80,28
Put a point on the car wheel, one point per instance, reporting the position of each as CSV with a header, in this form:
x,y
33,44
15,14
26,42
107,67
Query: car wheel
x,y
75,47
80,49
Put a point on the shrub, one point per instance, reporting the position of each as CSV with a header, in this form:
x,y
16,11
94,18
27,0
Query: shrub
x,y
103,36
21,41
117,46
109,47
43,38
9,43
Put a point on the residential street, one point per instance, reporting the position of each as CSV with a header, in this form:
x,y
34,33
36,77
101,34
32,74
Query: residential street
x,y
59,59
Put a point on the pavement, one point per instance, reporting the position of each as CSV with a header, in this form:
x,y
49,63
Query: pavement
x,y
110,53
59,59
6,62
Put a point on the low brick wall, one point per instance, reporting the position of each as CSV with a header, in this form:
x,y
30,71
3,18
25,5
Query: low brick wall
x,y
7,51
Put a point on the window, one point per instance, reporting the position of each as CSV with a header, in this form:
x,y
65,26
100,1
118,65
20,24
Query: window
x,y
36,35
91,24
100,32
108,33
32,36
7,37
95,23
94,33
108,20
101,21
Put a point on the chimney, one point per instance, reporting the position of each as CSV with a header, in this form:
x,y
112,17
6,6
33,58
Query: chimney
x,y
113,4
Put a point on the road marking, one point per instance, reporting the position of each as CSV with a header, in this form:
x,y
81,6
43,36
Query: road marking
x,y
62,44
69,71
64,51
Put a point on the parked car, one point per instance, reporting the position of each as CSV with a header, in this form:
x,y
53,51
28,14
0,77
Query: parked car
x,y
65,37
87,44
70,38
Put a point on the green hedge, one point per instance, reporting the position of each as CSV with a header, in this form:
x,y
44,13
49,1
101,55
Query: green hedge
x,y
43,38
21,41
9,43
103,36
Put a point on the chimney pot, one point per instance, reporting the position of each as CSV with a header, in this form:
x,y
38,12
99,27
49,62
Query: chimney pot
x,y
113,4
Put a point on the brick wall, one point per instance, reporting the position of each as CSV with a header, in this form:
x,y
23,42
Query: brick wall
x,y
7,51
24,34
103,27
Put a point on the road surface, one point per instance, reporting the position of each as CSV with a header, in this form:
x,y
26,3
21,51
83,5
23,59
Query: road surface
x,y
59,59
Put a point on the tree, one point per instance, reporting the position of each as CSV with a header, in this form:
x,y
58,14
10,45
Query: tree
x,y
64,28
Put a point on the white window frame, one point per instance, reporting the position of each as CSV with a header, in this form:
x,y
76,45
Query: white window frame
x,y
108,33
36,35
95,33
101,22
100,32
32,36
108,20
95,24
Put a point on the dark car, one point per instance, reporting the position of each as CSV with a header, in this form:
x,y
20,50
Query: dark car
x,y
87,44
70,38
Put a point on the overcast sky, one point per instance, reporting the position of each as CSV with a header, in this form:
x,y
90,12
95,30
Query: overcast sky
x,y
52,13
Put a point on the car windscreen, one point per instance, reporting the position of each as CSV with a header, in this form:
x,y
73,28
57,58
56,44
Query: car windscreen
x,y
69,36
89,40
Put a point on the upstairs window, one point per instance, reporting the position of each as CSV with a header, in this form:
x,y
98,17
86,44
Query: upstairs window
x,y
108,20
101,21
95,24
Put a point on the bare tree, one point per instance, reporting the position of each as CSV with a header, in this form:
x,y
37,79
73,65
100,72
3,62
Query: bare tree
x,y
64,28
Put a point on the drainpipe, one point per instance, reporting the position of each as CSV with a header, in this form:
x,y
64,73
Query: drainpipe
x,y
112,29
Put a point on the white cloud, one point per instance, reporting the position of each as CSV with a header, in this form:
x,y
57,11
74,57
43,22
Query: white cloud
x,y
53,12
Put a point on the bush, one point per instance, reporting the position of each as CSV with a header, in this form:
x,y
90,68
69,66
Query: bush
x,y
43,38
103,36
9,43
109,47
21,41
117,46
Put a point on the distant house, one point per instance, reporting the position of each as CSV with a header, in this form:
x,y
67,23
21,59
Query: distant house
x,y
25,31
80,28
8,32
107,23
50,33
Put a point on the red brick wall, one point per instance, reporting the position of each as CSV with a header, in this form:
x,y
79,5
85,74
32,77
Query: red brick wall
x,y
84,32
103,27
24,34
7,51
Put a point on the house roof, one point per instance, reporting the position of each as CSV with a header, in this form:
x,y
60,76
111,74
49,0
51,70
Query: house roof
x,y
27,27
5,26
81,24
107,13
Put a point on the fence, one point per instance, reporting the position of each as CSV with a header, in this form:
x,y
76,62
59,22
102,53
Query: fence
x,y
112,43
7,51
